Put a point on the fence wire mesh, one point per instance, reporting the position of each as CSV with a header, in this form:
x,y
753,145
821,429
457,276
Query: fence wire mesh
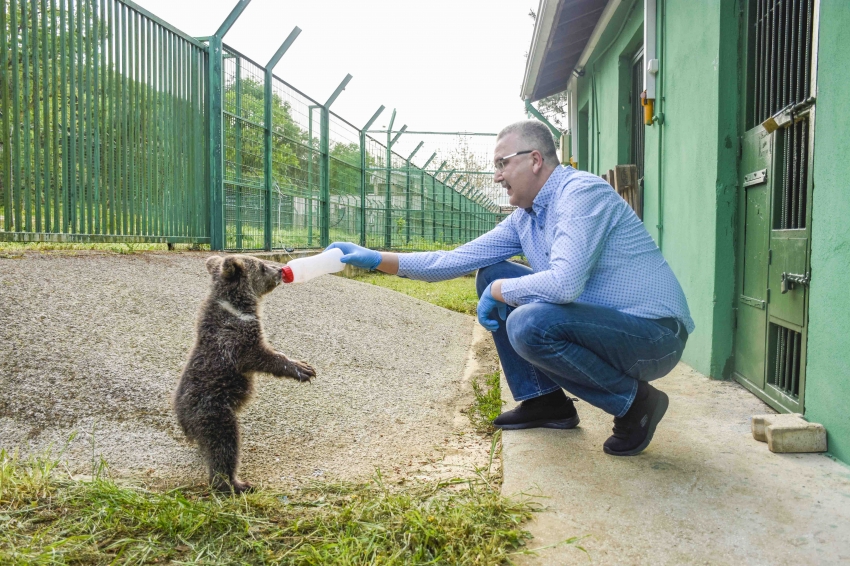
x,y
106,127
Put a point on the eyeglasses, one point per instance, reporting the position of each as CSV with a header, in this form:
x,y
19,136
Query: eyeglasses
x,y
500,163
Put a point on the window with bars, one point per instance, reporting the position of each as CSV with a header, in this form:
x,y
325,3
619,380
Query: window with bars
x,y
780,70
780,79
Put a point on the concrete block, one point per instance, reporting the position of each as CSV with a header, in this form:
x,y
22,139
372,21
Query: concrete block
x,y
789,433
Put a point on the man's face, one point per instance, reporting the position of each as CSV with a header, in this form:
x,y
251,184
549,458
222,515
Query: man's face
x,y
517,176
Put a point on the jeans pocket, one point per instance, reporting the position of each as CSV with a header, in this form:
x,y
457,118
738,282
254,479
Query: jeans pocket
x,y
647,370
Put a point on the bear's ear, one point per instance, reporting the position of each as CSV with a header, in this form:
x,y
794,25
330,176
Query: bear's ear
x,y
214,263
232,267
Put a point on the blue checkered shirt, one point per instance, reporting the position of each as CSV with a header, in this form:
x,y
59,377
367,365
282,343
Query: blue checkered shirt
x,y
585,245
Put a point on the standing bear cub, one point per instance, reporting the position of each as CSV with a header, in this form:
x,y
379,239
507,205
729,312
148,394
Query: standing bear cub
x,y
229,348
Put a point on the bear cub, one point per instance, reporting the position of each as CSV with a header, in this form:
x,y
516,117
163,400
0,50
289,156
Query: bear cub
x,y
229,348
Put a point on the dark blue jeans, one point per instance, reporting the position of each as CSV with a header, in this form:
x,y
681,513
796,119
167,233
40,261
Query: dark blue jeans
x,y
596,353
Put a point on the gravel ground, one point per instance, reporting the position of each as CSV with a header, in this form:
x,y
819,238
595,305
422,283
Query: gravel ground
x,y
93,343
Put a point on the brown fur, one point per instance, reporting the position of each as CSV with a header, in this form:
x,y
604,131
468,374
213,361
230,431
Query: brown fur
x,y
229,348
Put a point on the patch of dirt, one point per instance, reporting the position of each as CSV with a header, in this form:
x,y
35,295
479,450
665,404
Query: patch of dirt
x,y
92,345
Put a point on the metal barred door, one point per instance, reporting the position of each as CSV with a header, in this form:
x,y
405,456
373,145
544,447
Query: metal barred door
x,y
775,201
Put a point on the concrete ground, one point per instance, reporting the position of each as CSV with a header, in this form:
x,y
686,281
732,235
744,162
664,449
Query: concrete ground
x,y
704,491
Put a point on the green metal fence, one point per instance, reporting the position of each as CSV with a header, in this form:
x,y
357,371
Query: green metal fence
x,y
117,127
103,125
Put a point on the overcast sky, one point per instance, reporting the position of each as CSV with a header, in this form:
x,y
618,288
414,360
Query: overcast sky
x,y
446,65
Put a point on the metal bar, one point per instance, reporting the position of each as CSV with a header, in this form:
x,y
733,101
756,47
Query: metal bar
x,y
180,138
26,182
88,132
338,91
808,60
398,135
388,198
65,104
56,92
764,61
237,157
97,124
534,112
363,173
231,19
324,176
296,31
163,24
783,42
439,133
214,164
133,145
309,201
4,108
109,114
124,181
150,127
104,125
92,238
803,174
44,214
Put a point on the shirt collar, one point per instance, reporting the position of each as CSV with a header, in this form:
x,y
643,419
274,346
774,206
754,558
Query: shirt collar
x,y
547,191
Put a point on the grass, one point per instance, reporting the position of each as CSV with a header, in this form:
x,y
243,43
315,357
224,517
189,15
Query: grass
x,y
48,518
488,402
455,294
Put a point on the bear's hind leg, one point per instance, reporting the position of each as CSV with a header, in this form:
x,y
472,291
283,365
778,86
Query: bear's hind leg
x,y
220,446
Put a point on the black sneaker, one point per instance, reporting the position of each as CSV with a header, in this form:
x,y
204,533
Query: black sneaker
x,y
553,410
633,431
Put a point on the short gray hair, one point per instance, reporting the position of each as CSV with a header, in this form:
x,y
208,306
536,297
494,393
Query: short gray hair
x,y
534,135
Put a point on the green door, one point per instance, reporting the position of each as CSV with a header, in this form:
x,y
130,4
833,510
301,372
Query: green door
x,y
775,194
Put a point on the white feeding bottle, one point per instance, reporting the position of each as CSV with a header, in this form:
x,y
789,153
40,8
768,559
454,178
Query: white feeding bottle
x,y
306,268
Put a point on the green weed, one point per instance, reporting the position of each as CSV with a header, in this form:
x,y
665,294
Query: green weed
x,y
488,401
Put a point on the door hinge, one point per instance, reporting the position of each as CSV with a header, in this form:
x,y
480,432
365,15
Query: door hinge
x,y
769,257
734,318
768,295
740,147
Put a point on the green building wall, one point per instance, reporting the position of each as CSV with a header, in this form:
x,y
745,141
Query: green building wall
x,y
696,174
691,179
828,367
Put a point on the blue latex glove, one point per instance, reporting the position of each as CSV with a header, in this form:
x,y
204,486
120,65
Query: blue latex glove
x,y
356,255
486,304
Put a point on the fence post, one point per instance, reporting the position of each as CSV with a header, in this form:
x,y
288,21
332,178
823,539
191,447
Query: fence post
x,y
422,195
267,137
238,151
388,224
309,201
453,207
325,197
434,202
364,174
216,174
214,116
407,195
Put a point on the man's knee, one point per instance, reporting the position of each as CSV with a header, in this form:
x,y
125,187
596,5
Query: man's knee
x,y
485,276
522,328
501,270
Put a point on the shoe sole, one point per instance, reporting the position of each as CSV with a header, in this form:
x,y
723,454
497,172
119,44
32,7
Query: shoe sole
x,y
561,424
657,415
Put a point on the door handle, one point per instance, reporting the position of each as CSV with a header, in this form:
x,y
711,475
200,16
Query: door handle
x,y
788,280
